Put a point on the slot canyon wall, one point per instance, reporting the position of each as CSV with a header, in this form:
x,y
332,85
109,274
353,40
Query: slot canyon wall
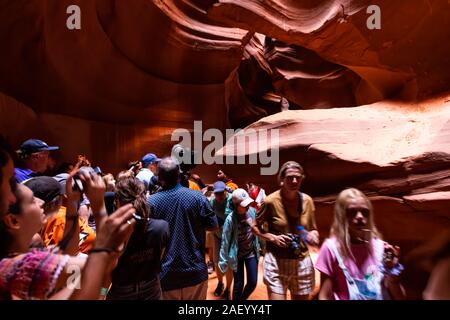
x,y
367,108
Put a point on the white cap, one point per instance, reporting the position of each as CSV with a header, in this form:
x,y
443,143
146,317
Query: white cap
x,y
241,197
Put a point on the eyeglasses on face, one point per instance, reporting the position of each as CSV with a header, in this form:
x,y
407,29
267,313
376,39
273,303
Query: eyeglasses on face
x,y
352,212
292,177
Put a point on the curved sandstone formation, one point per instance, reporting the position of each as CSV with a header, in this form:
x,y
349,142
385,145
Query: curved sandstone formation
x,y
385,138
394,58
272,70
397,153
156,66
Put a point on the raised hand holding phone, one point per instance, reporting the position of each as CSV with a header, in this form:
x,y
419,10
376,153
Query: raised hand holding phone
x,y
95,188
391,255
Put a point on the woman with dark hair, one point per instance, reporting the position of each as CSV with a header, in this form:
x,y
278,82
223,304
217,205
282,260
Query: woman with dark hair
x,y
47,274
136,276
287,264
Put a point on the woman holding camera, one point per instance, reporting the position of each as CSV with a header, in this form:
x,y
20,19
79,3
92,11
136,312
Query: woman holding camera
x,y
354,263
49,274
287,264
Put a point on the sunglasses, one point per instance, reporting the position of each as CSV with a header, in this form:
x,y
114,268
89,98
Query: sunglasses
x,y
291,178
352,212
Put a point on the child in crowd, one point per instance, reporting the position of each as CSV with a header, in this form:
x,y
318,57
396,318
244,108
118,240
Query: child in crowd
x,y
240,246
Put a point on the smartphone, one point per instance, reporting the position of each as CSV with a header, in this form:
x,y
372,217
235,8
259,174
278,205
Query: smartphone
x,y
78,184
388,255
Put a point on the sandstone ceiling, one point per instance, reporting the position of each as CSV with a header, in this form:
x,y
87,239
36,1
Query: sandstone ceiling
x,y
368,108
132,59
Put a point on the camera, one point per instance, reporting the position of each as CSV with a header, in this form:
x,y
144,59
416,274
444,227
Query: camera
x,y
78,184
185,156
186,160
390,257
135,167
294,246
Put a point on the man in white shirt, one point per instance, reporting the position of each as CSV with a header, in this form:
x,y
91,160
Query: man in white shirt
x,y
149,168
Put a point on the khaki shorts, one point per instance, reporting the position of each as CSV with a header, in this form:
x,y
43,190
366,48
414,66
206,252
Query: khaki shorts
x,y
283,274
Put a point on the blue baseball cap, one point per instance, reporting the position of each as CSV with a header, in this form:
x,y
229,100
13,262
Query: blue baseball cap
x,y
149,158
219,186
34,145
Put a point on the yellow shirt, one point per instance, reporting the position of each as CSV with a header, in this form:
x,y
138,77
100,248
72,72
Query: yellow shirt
x,y
233,186
194,186
273,212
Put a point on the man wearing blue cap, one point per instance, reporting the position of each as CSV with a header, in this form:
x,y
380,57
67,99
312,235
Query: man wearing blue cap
x,y
149,168
34,156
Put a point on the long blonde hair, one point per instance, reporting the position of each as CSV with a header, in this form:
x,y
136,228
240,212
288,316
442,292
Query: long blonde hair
x,y
339,228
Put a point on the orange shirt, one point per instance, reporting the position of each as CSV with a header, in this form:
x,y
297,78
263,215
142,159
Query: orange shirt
x,y
53,231
194,185
232,185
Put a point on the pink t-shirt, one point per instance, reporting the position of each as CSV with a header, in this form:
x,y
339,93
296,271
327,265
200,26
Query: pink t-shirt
x,y
365,266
